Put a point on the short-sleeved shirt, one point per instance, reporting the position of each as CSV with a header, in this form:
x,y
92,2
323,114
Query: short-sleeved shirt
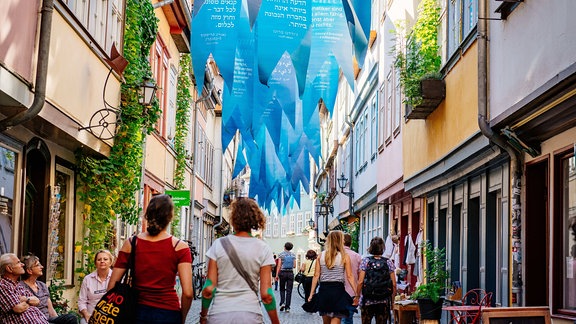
x,y
155,272
363,267
233,292
287,259
10,293
355,260
42,294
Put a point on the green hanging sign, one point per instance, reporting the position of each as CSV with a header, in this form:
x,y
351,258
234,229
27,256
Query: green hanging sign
x,y
181,198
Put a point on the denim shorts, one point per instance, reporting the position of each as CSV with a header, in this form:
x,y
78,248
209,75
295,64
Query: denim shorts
x,y
146,314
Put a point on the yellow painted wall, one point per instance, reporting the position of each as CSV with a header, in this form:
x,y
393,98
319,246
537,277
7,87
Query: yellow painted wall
x,y
76,75
454,121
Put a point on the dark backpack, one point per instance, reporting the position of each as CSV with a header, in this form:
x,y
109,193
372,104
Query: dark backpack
x,y
377,284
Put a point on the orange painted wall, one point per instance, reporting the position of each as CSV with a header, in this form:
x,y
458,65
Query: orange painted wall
x,y
455,120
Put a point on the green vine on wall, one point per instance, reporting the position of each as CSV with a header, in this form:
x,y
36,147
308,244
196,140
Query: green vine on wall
x,y
109,186
422,59
183,102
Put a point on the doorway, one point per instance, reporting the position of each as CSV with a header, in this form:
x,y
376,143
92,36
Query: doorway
x,y
34,236
536,228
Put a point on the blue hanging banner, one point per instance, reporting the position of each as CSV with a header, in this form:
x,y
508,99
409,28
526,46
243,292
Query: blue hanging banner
x,y
281,27
330,35
215,29
253,8
359,18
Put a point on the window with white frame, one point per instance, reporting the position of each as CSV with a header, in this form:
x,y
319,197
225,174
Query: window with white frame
x,y
397,102
359,141
462,17
171,107
159,60
299,223
63,197
307,216
276,224
389,102
268,232
284,226
103,20
364,234
381,113
291,227
374,124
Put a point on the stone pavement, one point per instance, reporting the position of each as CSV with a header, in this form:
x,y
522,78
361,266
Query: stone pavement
x,y
296,315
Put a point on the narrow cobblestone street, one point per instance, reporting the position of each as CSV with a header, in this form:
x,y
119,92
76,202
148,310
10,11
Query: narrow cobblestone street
x,y
296,315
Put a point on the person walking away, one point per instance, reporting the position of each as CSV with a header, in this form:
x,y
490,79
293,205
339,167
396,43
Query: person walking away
x,y
17,305
332,270
286,275
376,283
355,260
275,271
228,296
94,285
308,268
33,269
159,256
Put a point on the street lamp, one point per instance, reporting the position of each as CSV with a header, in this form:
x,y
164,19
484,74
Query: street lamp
x,y
147,92
322,209
342,182
311,222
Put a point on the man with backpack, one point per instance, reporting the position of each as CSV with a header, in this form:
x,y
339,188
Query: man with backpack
x,y
376,283
285,272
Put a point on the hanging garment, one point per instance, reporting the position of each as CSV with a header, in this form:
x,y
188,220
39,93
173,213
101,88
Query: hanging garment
x,y
418,266
410,250
388,247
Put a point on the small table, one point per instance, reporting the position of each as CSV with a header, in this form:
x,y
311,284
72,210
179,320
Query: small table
x,y
463,313
405,314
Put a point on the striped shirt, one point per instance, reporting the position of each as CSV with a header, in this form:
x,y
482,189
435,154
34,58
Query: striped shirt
x,y
334,274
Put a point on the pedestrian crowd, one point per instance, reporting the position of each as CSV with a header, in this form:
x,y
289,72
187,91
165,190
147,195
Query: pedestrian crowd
x,y
242,274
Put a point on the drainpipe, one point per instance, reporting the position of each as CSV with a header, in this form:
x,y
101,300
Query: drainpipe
x,y
515,157
351,169
41,71
162,3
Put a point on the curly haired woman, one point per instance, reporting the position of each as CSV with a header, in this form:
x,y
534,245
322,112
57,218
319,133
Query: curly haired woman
x,y
236,301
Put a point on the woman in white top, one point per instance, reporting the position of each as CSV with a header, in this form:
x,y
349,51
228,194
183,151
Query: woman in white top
x,y
332,268
94,285
227,297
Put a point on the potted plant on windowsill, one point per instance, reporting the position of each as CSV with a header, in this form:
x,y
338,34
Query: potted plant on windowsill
x,y
430,294
419,66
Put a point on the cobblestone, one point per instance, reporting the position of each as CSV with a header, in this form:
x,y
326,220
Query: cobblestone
x,y
296,315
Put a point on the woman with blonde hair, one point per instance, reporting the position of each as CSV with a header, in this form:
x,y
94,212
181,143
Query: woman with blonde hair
x,y
332,268
94,285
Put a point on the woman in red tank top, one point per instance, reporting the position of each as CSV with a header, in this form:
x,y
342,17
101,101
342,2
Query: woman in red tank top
x,y
159,257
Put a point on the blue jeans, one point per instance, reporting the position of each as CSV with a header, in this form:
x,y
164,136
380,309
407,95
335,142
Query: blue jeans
x,y
349,320
151,315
